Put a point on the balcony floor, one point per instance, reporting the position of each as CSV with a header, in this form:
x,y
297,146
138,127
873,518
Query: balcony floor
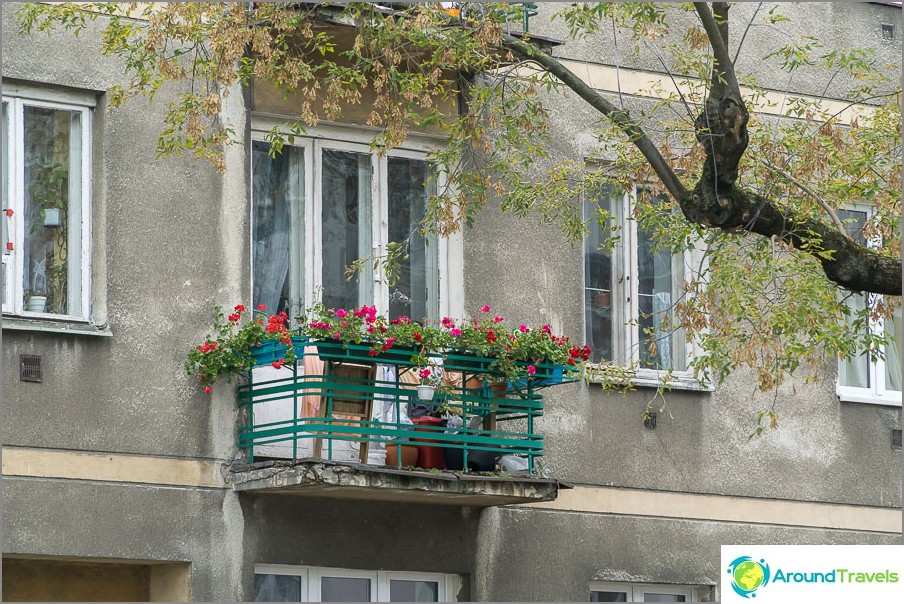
x,y
338,480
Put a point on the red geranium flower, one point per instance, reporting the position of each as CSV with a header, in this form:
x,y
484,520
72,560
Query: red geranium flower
x,y
208,389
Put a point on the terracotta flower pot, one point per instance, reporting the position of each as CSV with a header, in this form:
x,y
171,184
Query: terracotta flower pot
x,y
409,456
602,300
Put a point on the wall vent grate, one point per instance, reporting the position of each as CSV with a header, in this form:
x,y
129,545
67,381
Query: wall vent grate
x,y
896,439
30,368
888,31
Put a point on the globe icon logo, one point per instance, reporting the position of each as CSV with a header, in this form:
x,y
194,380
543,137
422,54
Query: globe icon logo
x,y
748,575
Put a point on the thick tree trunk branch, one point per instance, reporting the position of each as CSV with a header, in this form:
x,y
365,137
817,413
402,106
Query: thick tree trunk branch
x,y
621,118
723,70
716,201
849,264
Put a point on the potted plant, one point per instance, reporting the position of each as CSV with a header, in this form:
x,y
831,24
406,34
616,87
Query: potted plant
x,y
237,338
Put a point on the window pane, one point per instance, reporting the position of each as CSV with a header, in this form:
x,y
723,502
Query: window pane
x,y
608,596
413,591
854,372
598,279
658,279
414,294
347,227
344,589
892,352
4,219
651,597
277,588
278,227
53,207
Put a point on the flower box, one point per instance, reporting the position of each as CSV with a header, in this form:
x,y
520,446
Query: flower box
x,y
272,350
360,353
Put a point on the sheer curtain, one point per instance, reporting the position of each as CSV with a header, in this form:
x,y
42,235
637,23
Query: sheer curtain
x,y
278,226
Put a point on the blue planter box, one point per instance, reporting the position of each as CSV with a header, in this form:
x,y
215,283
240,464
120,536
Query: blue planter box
x,y
273,350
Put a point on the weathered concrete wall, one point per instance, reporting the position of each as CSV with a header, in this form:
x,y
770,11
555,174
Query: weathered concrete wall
x,y
358,535
552,556
168,246
80,519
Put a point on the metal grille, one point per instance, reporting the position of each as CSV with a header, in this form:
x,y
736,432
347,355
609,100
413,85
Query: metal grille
x,y
896,439
30,368
888,31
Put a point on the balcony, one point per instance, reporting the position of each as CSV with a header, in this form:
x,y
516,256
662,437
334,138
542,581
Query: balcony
x,y
318,428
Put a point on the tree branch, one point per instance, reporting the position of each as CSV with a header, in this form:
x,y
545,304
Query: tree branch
x,y
825,206
621,118
722,68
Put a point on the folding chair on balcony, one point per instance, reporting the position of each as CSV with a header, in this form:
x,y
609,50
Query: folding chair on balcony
x,y
345,402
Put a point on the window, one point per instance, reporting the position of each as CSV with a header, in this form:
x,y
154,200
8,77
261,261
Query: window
x,y
46,202
321,205
630,289
641,592
278,583
861,378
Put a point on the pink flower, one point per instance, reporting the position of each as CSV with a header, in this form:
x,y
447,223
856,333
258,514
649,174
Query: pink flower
x,y
498,319
524,328
531,370
545,329
341,313
456,332
424,373
484,309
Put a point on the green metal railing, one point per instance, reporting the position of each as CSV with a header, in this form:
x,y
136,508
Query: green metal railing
x,y
517,407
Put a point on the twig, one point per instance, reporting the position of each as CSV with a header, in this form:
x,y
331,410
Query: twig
x,y
810,192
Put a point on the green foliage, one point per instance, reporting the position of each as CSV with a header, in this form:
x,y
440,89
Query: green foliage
x,y
751,302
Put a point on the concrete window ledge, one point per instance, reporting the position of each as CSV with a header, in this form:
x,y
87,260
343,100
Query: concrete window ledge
x,y
11,323
317,477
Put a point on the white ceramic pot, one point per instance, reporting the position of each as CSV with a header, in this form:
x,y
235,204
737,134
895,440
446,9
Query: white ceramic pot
x,y
36,304
425,392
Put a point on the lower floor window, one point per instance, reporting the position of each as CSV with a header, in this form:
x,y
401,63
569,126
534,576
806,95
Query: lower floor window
x,y
644,592
279,583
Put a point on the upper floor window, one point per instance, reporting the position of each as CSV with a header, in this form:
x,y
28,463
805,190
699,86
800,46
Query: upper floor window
x,y
280,583
630,289
46,201
644,592
321,205
866,378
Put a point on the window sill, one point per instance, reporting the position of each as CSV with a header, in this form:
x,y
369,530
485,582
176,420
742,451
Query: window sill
x,y
649,378
13,323
870,399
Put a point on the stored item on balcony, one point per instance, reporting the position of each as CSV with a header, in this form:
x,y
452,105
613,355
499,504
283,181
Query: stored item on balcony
x,y
409,456
345,393
425,392
429,456
478,461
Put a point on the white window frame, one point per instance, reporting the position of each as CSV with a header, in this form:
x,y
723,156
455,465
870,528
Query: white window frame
x,y
625,300
18,97
357,140
449,585
635,591
876,393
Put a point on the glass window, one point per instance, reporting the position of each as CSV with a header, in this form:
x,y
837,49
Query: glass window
x,y
45,182
608,596
654,597
598,280
413,591
347,224
278,226
277,588
320,207
862,378
630,289
414,292
344,589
